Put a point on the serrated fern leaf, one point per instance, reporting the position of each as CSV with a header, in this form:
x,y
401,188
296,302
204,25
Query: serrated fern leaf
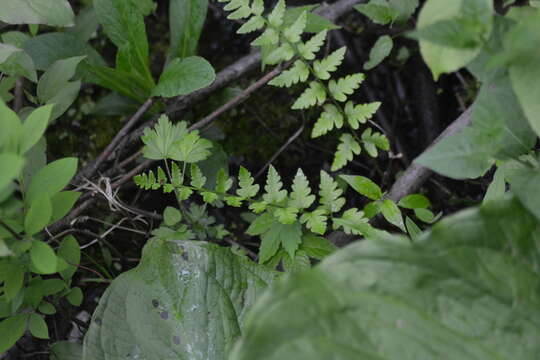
x,y
299,72
257,7
274,193
176,175
301,197
315,221
209,197
347,148
329,64
268,37
345,86
315,94
373,140
159,142
312,46
286,215
283,53
359,114
331,199
234,4
223,182
331,117
193,148
353,222
278,13
255,23
197,178
293,32
242,12
247,188
147,181
234,201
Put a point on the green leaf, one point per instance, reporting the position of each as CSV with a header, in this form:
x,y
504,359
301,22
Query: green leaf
x,y
425,215
184,76
66,350
360,114
299,263
363,186
287,235
14,282
314,24
315,221
43,258
331,199
164,293
287,215
12,329
380,51
447,59
255,23
317,247
193,148
372,141
48,12
48,48
261,224
123,23
331,117
75,296
277,15
447,288
525,184
12,129
86,24
247,189
301,197
378,11
34,127
497,187
412,229
392,214
70,251
52,178
299,72
353,222
293,33
414,201
38,326
161,141
329,64
186,20
16,62
197,178
223,182
312,46
38,215
62,203
12,165
347,148
47,308
345,86
274,192
171,216
115,79
315,94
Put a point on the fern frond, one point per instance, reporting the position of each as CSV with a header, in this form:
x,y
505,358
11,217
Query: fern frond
x,y
299,72
247,188
354,222
277,15
314,94
329,64
315,221
312,46
223,182
274,193
193,148
346,150
374,140
257,7
331,199
235,4
284,52
176,175
255,23
286,215
268,37
293,32
147,181
345,86
360,113
301,197
330,117
241,13
197,178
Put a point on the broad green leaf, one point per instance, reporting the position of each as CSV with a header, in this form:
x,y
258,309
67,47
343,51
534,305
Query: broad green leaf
x,y
75,297
412,229
34,127
70,251
4,250
52,178
47,48
446,59
392,214
525,184
38,326
194,148
12,165
184,76
12,329
62,203
497,187
13,283
289,236
16,62
123,23
414,201
380,51
11,129
186,20
378,11
43,258
86,24
185,300
455,293
115,79
261,224
317,247
363,186
66,350
38,215
161,142
48,12
171,216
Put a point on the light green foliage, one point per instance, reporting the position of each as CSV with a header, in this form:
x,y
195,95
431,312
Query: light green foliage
x,y
449,275
315,94
330,118
385,12
347,148
247,188
359,114
299,72
329,64
161,310
345,86
380,51
274,192
353,221
308,49
186,20
184,76
301,197
373,141
47,12
363,186
330,193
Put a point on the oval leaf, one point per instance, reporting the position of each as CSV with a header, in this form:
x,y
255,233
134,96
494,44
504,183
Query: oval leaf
x,y
182,77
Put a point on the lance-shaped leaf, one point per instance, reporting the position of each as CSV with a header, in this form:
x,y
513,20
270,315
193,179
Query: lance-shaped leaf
x,y
185,300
